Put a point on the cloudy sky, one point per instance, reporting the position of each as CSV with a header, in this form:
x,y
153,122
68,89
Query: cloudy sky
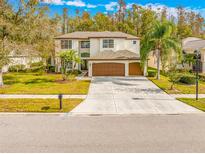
x,y
105,6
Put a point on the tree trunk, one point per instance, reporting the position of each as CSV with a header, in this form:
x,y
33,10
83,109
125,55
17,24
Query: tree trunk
x,y
1,78
158,64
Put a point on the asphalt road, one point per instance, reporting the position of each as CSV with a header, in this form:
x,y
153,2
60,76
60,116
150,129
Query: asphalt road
x,y
134,133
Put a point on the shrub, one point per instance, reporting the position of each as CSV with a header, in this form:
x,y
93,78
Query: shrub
x,y
17,68
37,64
51,69
174,77
187,79
202,77
36,67
152,73
74,72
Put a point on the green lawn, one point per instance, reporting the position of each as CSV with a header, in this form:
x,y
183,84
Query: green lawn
x,y
31,83
37,105
179,88
200,104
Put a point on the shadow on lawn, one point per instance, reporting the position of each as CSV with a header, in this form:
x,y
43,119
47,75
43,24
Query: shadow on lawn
x,y
45,108
38,80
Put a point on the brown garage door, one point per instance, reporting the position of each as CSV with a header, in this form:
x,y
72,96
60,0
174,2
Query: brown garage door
x,y
135,69
108,69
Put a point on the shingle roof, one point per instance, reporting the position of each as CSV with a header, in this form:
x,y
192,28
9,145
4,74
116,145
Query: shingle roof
x,y
105,34
111,55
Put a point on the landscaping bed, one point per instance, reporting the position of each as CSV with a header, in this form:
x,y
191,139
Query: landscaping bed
x,y
199,104
37,105
34,83
179,88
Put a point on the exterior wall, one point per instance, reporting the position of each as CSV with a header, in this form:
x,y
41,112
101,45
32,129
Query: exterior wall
x,y
152,60
94,46
122,44
203,60
126,62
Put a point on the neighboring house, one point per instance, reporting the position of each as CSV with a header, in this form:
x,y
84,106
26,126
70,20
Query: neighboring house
x,y
22,58
103,53
189,45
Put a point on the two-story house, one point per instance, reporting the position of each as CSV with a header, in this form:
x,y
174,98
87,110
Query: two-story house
x,y
103,53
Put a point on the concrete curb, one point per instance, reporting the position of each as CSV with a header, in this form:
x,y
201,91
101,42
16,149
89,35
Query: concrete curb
x,y
94,114
187,95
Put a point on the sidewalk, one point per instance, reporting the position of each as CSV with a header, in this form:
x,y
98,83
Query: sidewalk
x,y
187,95
40,96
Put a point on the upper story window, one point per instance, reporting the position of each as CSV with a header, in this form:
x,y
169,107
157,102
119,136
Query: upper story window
x,y
66,44
134,42
108,43
85,44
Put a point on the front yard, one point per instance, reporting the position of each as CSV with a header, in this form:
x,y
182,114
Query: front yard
x,y
32,83
179,88
37,105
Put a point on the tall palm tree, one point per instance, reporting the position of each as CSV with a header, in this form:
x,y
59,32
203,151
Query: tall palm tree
x,y
162,40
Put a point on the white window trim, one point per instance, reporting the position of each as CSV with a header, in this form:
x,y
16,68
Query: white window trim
x,y
84,47
108,44
68,44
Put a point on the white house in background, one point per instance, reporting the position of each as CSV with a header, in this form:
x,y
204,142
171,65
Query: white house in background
x,y
23,58
104,53
189,45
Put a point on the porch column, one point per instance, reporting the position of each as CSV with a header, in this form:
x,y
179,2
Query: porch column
x,y
90,68
127,68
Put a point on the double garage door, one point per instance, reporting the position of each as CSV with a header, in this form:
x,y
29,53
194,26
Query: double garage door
x,y
115,69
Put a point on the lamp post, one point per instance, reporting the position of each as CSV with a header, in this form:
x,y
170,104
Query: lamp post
x,y
197,52
60,97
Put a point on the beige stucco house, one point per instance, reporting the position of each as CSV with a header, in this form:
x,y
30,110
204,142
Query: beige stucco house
x,y
104,53
189,45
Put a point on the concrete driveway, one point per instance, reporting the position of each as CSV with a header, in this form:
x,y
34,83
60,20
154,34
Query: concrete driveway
x,y
129,95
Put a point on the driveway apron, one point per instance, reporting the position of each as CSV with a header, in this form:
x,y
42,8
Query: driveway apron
x,y
129,95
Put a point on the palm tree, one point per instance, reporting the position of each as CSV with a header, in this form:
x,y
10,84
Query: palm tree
x,y
68,57
160,39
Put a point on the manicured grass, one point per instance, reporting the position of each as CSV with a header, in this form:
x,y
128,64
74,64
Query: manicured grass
x,y
199,104
37,105
179,88
31,83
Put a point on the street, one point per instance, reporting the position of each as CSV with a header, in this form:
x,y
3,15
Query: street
x,y
96,133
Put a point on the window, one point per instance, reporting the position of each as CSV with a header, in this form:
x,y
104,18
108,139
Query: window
x,y
85,44
134,42
66,44
108,43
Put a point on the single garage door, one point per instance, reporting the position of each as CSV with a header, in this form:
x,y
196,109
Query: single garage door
x,y
135,69
108,69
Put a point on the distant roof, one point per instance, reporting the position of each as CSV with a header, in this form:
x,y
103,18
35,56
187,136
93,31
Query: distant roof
x,y
105,34
113,55
192,45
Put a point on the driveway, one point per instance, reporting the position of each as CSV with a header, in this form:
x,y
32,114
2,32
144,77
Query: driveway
x,y
129,95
